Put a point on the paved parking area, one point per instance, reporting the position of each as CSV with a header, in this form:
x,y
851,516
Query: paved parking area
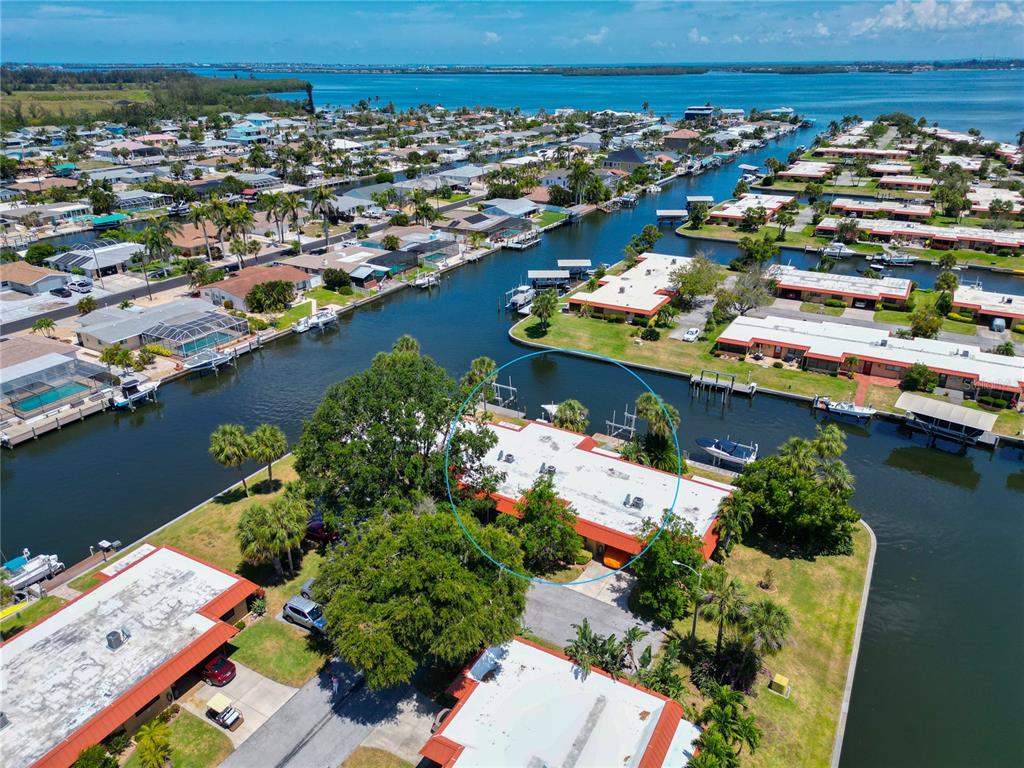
x,y
866,315
407,730
257,697
612,589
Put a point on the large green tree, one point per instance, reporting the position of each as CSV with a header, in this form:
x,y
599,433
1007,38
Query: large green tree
x,y
700,277
667,573
374,437
546,528
572,415
409,589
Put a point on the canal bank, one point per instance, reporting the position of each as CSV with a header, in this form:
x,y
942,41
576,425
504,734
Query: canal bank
x,y
945,523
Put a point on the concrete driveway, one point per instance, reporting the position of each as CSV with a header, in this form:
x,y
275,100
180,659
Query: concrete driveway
x,y
407,730
611,587
317,730
255,696
552,610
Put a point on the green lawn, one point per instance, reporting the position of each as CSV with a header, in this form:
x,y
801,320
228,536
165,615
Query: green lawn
x,y
195,743
546,218
371,757
280,652
823,600
814,308
324,296
305,309
923,299
29,615
568,331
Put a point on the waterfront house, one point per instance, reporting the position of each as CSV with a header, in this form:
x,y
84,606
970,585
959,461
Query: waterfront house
x,y
890,169
463,177
853,290
636,294
865,152
346,258
627,159
987,306
112,658
525,705
732,212
906,182
969,164
490,226
932,236
609,496
128,152
807,170
590,141
140,200
680,140
981,197
26,278
824,347
190,242
247,133
236,287
522,208
51,213
892,209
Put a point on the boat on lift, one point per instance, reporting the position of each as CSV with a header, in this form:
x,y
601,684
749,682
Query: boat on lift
x,y
207,360
135,387
846,408
838,250
178,208
519,297
428,280
322,318
728,450
301,325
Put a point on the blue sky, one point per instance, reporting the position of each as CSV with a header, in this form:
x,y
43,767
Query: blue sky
x,y
507,32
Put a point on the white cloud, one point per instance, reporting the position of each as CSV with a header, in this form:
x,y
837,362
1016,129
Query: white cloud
x,y
821,30
662,45
696,37
70,10
907,15
596,38
491,38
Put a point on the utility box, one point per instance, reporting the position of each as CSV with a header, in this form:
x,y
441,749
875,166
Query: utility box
x,y
780,685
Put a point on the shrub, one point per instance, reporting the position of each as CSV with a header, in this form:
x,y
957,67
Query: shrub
x,y
346,290
960,317
650,334
919,378
229,304
778,364
993,402
156,349
94,757
335,279
835,303
240,624
615,319
257,324
118,742
582,557
894,307
258,606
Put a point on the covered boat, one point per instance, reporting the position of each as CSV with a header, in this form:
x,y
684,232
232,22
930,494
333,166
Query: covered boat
x,y
727,450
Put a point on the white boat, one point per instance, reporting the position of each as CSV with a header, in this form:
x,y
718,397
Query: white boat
x,y
178,209
301,325
520,296
428,280
838,250
208,359
653,189
322,318
845,408
727,450
27,570
133,389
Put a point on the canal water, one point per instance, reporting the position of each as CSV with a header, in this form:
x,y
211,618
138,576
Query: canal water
x,y
940,661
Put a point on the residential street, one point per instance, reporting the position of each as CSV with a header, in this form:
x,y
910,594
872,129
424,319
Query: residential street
x,y
312,732
552,610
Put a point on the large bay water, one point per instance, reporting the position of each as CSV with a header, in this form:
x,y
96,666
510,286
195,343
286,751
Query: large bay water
x,y
940,672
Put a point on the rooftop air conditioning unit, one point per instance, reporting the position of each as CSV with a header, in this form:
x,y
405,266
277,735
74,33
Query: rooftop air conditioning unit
x,y
883,343
637,503
117,638
965,353
622,289
509,458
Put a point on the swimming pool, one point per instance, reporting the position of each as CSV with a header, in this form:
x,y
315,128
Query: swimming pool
x,y
211,340
43,399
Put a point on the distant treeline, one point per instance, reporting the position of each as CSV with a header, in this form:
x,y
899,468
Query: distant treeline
x,y
171,93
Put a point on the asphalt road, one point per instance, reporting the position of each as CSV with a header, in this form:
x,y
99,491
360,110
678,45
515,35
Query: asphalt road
x,y
313,731
552,610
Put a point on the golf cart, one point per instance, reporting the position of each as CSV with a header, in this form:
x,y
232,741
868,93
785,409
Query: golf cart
x,y
219,710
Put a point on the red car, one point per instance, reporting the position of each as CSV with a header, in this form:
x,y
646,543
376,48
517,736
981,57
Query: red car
x,y
317,531
218,671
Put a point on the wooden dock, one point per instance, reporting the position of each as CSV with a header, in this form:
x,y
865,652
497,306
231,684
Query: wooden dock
x,y
32,429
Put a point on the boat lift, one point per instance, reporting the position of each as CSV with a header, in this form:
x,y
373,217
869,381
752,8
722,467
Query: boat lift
x,y
627,427
505,395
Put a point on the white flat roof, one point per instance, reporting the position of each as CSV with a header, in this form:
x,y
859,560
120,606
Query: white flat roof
x,y
641,289
1010,238
735,209
808,168
989,302
890,168
893,207
967,163
532,708
835,341
902,178
827,283
57,675
596,482
981,197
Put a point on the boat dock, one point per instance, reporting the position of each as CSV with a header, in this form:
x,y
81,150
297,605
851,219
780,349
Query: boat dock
x,y
709,381
31,429
672,215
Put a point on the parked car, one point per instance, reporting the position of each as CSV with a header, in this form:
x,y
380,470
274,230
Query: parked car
x,y
317,531
61,292
692,334
304,612
219,671
306,590
79,286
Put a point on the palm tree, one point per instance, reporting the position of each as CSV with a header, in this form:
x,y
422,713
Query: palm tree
x,y
198,216
154,744
259,539
580,176
727,606
406,343
238,250
44,324
767,625
480,370
571,415
229,447
271,203
267,444
320,205
289,515
582,650
290,205
220,217
652,409
735,516
630,638
544,306
241,220
157,240
785,219
713,751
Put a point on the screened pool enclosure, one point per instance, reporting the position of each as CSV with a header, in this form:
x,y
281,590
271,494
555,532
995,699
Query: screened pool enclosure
x,y
190,335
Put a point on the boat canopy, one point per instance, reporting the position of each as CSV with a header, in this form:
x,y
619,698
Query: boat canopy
x,y
936,410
